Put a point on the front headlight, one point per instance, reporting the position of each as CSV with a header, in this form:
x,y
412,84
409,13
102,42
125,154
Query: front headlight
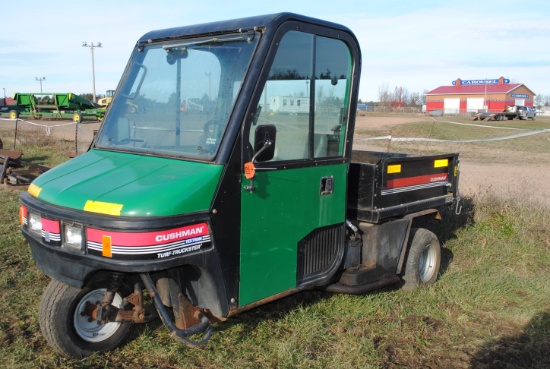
x,y
35,224
72,236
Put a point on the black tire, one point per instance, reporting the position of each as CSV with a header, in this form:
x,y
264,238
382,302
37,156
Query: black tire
x,y
71,333
423,259
14,114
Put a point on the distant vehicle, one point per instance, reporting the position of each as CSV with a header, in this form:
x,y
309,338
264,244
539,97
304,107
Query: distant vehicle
x,y
509,113
362,109
530,112
105,101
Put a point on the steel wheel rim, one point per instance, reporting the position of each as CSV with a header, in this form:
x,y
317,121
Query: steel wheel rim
x,y
89,330
426,265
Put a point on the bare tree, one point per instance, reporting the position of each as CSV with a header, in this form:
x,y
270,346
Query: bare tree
x,y
384,96
415,99
539,101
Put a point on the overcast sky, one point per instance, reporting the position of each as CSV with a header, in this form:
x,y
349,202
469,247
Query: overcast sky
x,y
418,45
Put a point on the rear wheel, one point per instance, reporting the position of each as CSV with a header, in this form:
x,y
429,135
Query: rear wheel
x,y
423,259
69,329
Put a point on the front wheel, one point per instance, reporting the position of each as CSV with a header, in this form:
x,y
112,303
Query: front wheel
x,y
423,259
69,329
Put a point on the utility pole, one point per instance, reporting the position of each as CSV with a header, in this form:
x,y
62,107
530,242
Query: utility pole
x,y
92,47
39,79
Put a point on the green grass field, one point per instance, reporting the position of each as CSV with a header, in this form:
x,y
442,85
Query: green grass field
x,y
490,307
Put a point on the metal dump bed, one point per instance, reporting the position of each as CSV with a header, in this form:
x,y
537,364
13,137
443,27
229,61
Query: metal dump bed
x,y
387,185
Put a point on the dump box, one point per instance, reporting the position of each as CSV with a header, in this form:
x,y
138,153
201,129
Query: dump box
x,y
385,185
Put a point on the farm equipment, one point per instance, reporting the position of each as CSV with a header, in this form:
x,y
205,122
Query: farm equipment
x,y
53,106
105,101
15,171
509,113
216,211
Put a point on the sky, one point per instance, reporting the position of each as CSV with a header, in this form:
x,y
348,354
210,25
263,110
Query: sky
x,y
415,45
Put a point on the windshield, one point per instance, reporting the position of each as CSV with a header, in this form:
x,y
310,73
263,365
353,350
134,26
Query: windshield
x,y
175,98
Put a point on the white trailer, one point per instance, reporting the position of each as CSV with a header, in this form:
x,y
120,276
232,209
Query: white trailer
x,y
289,104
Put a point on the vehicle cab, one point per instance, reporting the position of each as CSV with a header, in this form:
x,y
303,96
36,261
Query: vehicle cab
x,y
164,184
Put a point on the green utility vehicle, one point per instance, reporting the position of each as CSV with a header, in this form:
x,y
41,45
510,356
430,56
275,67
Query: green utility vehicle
x,y
54,106
232,184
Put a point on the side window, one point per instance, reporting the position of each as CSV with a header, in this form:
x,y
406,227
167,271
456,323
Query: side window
x,y
305,97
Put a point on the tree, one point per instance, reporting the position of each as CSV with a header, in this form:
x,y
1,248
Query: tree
x,y
384,96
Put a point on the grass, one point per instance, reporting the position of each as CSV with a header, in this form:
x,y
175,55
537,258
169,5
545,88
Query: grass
x,y
490,307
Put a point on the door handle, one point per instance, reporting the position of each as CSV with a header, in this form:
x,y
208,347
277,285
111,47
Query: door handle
x,y
327,185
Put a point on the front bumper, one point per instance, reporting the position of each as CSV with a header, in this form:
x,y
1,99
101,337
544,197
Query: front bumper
x,y
133,245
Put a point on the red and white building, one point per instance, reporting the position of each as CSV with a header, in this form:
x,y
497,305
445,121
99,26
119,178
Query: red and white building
x,y
475,96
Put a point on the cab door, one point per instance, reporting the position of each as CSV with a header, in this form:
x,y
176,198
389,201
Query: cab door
x,y
293,212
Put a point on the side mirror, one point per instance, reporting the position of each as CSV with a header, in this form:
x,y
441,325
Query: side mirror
x,y
264,142
264,149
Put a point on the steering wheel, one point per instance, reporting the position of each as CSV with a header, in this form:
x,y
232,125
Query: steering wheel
x,y
208,142
212,129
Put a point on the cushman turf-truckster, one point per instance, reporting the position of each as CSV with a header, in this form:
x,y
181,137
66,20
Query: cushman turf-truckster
x,y
231,185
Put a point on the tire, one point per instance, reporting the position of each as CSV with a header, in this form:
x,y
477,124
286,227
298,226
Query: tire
x,y
423,259
14,114
77,117
68,331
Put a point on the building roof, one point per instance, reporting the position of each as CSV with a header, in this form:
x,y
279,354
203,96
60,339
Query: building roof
x,y
476,89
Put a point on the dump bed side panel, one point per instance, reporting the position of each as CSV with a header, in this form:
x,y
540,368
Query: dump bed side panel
x,y
396,184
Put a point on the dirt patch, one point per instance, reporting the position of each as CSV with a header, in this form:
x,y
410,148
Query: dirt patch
x,y
371,122
522,182
83,132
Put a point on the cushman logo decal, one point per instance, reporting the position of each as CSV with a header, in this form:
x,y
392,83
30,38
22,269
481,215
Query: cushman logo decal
x,y
180,235
150,245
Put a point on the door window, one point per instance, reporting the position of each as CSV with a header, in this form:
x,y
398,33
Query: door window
x,y
306,96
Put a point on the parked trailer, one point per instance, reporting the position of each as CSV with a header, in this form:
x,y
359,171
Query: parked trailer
x,y
217,212
509,113
54,106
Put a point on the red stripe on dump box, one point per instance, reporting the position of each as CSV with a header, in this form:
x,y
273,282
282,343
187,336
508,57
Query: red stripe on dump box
x,y
411,181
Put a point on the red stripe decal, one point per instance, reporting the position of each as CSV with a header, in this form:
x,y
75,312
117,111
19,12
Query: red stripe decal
x,y
51,226
412,181
148,238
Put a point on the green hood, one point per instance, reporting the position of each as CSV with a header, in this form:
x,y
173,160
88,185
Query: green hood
x,y
129,185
